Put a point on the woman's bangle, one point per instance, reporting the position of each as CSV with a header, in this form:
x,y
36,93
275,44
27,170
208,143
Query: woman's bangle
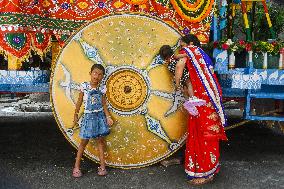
x,y
108,116
75,113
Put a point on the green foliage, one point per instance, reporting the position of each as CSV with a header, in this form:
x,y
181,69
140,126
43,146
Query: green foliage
x,y
260,26
272,48
261,29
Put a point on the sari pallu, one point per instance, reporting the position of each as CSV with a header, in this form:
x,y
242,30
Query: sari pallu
x,y
206,129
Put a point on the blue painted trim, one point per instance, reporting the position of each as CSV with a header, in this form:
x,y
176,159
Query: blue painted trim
x,y
16,88
215,28
267,95
272,118
247,104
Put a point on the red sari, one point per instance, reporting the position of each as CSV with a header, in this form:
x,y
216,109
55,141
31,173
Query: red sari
x,y
206,129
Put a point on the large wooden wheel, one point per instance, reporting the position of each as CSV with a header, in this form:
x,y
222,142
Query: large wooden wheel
x,y
149,124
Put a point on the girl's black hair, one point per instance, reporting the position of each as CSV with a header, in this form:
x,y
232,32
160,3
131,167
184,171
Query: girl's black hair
x,y
98,66
166,52
190,38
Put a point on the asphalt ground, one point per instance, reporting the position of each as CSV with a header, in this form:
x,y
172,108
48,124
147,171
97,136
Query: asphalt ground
x,y
35,155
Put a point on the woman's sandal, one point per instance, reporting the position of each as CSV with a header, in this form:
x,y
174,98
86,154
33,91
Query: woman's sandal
x,y
76,173
102,171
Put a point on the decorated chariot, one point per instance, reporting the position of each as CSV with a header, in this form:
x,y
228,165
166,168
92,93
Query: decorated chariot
x,y
124,36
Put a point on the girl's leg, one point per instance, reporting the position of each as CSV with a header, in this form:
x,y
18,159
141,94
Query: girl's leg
x,y
101,152
80,152
185,91
189,88
102,169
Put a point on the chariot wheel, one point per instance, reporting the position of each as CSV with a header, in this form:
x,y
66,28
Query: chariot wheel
x,y
149,123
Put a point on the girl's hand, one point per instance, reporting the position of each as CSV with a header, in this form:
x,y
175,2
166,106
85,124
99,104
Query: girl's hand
x,y
109,121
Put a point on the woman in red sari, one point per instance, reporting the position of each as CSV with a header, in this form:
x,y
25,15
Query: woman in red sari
x,y
207,128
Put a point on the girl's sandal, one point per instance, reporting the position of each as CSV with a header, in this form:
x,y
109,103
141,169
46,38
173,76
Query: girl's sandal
x,y
102,171
76,173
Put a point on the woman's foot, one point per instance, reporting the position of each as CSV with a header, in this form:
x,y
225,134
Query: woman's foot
x,y
197,181
76,173
201,181
102,171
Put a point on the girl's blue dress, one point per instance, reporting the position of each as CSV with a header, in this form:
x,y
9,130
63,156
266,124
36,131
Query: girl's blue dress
x,y
94,122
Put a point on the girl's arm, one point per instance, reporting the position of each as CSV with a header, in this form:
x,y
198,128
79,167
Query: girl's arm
x,y
178,56
108,116
78,106
179,70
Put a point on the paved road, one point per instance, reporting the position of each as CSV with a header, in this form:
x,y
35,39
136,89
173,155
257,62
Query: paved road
x,y
35,155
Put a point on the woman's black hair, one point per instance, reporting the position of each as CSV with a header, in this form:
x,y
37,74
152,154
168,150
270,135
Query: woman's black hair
x,y
98,66
166,52
190,38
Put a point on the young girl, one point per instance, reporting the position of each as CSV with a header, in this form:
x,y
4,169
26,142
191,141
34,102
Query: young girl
x,y
176,65
183,82
96,118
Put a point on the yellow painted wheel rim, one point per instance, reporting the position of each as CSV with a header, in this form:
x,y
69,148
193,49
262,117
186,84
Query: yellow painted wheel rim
x,y
140,92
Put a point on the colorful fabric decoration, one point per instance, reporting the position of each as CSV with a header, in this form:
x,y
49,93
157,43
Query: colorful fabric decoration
x,y
31,22
193,12
61,38
41,43
16,44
